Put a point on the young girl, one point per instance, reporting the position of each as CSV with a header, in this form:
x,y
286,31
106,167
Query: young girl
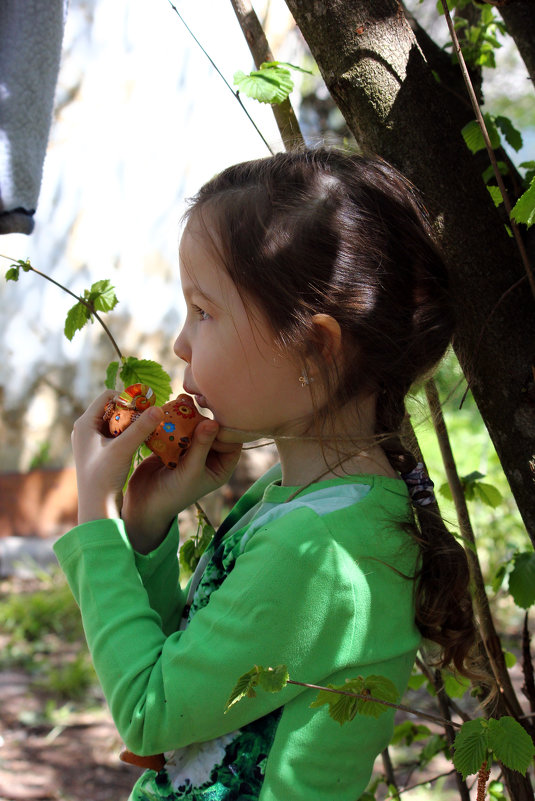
x,y
315,298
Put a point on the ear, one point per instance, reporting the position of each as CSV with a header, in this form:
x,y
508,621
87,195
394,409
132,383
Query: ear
x,y
328,337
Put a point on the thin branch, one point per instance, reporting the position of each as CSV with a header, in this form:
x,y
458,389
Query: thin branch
x,y
236,95
443,701
488,632
421,784
451,703
490,150
528,688
260,50
416,712
389,773
89,306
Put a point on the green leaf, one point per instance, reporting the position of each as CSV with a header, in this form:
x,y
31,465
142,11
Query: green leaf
x,y
268,64
409,732
522,579
102,296
76,318
111,375
186,556
509,658
437,744
416,681
495,790
445,491
497,581
146,371
273,680
488,494
512,135
244,687
13,273
455,686
471,746
511,743
524,209
496,195
489,174
473,135
343,708
267,85
529,166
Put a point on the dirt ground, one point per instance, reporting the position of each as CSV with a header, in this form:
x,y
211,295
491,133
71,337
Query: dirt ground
x,y
75,761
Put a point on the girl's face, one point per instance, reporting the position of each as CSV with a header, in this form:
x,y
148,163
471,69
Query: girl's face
x,y
234,366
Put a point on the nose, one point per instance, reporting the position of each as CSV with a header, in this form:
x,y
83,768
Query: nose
x,y
181,347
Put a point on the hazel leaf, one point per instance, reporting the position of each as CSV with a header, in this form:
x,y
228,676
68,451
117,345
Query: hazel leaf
x,y
471,747
510,743
77,317
146,371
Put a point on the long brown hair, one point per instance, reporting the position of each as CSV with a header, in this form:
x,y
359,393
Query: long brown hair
x,y
320,231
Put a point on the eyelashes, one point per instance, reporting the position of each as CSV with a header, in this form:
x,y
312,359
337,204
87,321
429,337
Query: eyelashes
x,y
201,314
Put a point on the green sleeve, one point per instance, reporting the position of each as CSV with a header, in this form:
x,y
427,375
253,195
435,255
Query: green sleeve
x,y
276,606
159,572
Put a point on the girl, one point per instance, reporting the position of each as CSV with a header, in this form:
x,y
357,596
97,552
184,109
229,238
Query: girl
x,y
315,298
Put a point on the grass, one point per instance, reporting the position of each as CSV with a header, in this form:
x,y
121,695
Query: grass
x,y
42,634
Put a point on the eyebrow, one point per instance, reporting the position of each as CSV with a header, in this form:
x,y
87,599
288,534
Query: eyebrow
x,y
195,290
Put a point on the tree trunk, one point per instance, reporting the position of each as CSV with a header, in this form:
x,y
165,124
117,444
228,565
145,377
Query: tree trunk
x,y
519,18
379,78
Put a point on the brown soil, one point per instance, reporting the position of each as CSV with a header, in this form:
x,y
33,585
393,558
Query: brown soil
x,y
73,758
75,761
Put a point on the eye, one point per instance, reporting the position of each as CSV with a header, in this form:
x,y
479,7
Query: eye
x,y
201,314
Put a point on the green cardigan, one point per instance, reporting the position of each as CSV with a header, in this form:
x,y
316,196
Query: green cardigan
x,y
313,582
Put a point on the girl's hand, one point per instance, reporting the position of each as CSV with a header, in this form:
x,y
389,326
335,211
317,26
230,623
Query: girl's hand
x,y
103,462
156,494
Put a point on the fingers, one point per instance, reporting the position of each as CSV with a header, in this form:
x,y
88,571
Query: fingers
x,y
136,433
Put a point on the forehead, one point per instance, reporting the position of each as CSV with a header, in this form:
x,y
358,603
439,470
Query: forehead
x,y
200,257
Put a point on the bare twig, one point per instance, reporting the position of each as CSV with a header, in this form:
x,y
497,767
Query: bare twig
x,y
528,688
389,774
214,65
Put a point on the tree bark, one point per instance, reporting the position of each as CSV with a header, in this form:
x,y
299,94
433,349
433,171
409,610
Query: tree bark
x,y
381,81
519,18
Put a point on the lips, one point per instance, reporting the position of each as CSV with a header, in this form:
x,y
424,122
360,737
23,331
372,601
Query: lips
x,y
200,400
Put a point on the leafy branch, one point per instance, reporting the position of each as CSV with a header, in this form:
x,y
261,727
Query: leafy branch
x,y
481,122
101,298
476,743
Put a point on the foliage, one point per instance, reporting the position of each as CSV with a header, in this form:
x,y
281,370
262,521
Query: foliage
x,y
193,548
505,738
44,635
270,679
100,298
476,743
271,83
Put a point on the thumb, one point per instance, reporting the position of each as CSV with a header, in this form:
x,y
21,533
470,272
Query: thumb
x,y
203,439
137,433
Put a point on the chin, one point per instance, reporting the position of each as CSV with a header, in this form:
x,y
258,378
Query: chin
x,y
237,436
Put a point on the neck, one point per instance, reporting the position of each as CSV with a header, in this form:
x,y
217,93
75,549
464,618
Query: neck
x,y
349,450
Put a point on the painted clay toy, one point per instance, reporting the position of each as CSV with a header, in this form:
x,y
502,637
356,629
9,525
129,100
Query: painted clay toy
x,y
172,437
